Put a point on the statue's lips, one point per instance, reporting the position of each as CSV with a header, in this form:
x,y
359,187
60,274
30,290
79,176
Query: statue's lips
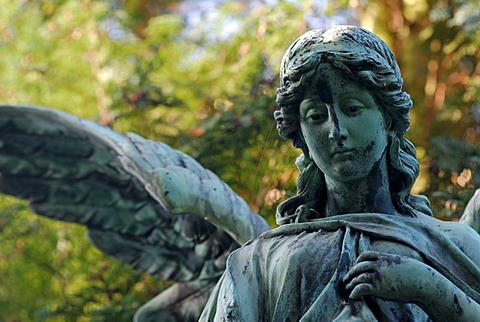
x,y
344,154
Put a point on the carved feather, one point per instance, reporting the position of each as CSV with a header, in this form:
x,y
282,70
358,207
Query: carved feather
x,y
69,169
144,203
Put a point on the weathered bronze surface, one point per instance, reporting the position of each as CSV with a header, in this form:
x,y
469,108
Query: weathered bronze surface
x,y
353,245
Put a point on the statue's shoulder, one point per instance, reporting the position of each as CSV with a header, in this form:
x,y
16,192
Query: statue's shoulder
x,y
450,228
463,236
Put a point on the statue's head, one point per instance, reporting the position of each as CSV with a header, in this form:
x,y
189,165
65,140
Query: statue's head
x,y
355,56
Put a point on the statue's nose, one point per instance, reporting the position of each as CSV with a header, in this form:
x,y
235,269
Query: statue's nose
x,y
337,132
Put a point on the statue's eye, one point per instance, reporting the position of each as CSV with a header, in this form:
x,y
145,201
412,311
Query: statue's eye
x,y
353,109
316,116
352,106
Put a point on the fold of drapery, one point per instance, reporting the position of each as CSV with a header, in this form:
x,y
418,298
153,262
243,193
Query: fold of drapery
x,y
294,272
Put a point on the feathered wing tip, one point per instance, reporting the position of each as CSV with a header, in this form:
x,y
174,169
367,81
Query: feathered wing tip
x,y
182,302
75,170
471,215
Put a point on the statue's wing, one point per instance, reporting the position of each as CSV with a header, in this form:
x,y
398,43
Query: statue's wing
x,y
143,202
471,215
182,185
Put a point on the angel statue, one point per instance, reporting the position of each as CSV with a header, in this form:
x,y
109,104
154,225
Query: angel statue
x,y
353,245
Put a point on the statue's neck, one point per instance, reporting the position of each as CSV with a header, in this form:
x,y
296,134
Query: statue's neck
x,y
368,194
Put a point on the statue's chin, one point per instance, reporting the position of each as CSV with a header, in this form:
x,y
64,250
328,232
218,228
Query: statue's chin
x,y
346,173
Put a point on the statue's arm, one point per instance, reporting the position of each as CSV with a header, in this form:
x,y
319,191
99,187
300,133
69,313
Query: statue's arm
x,y
444,301
399,278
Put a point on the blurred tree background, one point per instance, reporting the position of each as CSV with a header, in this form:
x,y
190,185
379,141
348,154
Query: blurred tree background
x,y
201,76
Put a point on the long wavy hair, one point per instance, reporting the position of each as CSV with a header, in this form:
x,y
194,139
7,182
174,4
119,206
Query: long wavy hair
x,y
367,60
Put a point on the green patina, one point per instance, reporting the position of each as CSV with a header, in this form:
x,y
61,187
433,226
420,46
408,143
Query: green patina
x,y
354,243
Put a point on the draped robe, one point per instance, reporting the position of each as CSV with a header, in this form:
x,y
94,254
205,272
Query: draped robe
x,y
294,272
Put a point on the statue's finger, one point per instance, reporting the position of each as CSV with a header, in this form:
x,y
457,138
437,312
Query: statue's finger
x,y
365,278
370,255
361,290
358,269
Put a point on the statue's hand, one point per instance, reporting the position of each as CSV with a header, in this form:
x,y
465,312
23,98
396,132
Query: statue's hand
x,y
387,276
399,278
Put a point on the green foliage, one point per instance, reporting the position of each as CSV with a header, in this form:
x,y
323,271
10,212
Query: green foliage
x,y
208,89
50,272
182,86
452,168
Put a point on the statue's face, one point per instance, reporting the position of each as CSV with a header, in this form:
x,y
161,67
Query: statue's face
x,y
343,126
